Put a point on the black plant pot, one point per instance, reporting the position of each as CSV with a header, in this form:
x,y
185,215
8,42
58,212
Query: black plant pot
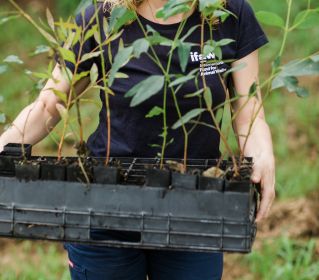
x,y
27,171
53,171
7,167
184,181
208,183
158,178
74,173
238,186
15,149
106,174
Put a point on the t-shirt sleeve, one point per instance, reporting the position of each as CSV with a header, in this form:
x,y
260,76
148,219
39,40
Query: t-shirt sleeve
x,y
250,35
86,20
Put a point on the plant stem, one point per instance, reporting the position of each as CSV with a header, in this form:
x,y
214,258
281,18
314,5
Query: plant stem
x,y
167,80
107,101
216,124
286,29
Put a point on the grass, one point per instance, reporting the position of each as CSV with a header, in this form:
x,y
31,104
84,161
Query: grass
x,y
32,261
284,258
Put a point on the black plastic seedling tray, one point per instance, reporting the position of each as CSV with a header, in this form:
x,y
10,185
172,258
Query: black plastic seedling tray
x,y
174,218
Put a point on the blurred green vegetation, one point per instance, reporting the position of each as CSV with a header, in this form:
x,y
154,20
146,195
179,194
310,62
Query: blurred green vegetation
x,y
294,123
33,261
285,259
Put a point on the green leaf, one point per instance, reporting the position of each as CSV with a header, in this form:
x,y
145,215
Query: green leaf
x,y
140,46
80,76
76,35
67,55
183,54
121,58
190,32
145,89
154,112
219,115
6,19
302,92
224,42
94,74
307,19
95,102
300,68
61,95
13,59
3,68
292,85
218,52
194,94
93,29
208,97
223,15
187,117
156,39
181,80
41,49
47,35
41,75
209,7
2,118
120,75
208,49
50,19
270,19
88,56
253,90
119,17
172,8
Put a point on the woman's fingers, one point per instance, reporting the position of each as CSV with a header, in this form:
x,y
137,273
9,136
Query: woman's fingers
x,y
265,175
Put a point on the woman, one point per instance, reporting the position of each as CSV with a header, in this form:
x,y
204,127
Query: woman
x,y
132,133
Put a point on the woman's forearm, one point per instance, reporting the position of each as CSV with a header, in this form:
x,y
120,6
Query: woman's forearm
x,y
32,124
254,139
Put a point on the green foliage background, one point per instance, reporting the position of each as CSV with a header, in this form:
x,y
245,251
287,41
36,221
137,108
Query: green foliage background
x,y
293,121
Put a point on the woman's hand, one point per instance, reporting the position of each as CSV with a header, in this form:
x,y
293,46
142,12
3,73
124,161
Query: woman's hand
x,y
253,133
258,146
264,173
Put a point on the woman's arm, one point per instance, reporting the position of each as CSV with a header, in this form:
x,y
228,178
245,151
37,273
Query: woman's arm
x,y
258,144
37,119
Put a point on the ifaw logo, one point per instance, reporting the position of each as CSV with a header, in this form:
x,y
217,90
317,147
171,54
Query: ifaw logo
x,y
195,56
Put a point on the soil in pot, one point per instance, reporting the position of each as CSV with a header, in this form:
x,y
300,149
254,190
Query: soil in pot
x,y
180,178
28,171
156,177
212,179
74,172
239,181
53,170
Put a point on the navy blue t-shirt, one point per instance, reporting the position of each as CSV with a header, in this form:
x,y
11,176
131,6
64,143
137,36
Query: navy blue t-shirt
x,y
132,134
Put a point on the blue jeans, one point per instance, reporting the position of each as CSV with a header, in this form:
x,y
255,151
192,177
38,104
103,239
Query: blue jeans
x,y
105,263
